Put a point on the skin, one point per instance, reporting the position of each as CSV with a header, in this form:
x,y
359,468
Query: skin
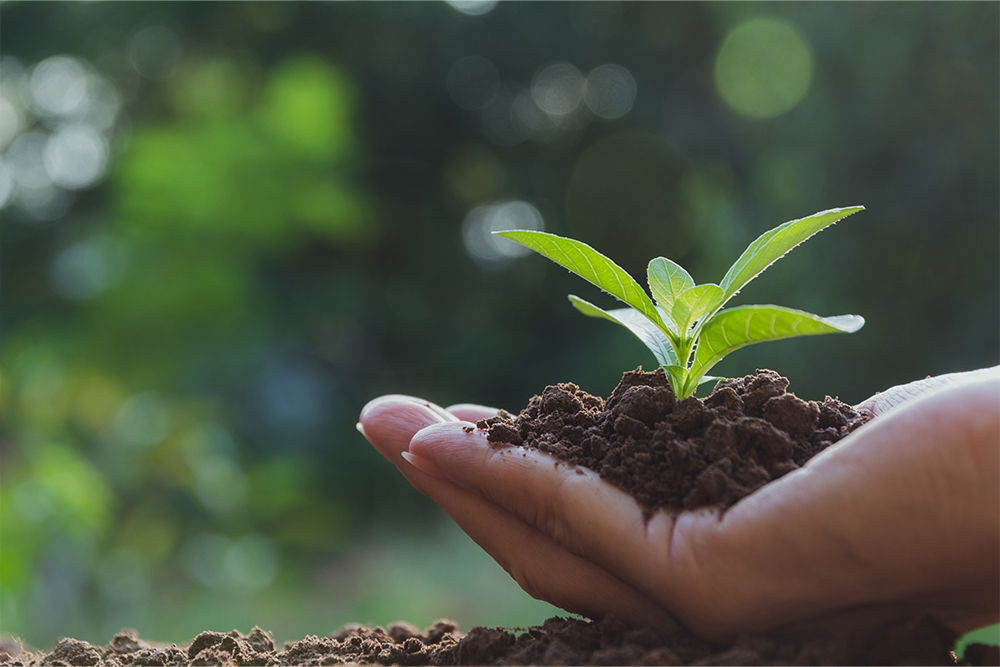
x,y
900,518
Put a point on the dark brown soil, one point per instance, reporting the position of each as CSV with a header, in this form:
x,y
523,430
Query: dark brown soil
x,y
675,455
669,454
558,641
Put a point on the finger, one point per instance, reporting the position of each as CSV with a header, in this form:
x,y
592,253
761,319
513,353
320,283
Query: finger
x,y
571,505
433,407
892,398
388,422
539,565
545,570
792,550
471,412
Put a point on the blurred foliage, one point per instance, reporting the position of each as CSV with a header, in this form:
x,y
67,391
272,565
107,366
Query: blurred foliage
x,y
278,237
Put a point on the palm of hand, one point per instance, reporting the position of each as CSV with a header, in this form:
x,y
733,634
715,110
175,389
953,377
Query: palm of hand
x,y
891,521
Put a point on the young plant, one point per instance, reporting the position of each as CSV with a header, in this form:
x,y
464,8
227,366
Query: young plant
x,y
687,329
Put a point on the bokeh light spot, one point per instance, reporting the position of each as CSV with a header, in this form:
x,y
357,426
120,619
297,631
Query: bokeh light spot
x,y
609,91
87,268
557,88
78,487
251,562
33,499
142,421
218,562
76,156
26,160
69,149
6,184
473,7
530,119
763,68
103,102
220,483
46,203
10,120
308,107
479,225
202,556
59,86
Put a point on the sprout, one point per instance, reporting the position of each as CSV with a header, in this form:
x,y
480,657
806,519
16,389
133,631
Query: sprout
x,y
686,328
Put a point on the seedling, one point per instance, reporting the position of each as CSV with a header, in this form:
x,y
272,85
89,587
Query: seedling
x,y
687,329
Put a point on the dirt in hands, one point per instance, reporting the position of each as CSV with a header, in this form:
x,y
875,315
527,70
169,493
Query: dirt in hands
x,y
680,454
668,454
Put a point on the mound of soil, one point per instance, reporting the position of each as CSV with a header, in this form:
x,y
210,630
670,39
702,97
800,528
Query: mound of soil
x,y
668,454
685,454
559,641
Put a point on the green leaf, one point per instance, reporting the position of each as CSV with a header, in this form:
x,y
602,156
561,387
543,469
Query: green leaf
x,y
693,303
734,328
667,280
590,265
771,246
634,321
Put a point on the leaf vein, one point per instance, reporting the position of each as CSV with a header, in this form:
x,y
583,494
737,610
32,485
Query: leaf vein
x,y
724,336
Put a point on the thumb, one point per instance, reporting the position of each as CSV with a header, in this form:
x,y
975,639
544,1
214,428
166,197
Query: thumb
x,y
890,399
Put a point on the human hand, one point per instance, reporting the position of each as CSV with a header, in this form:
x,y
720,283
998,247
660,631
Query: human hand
x,y
898,518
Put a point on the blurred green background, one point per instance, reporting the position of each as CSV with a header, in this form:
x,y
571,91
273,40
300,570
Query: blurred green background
x,y
227,226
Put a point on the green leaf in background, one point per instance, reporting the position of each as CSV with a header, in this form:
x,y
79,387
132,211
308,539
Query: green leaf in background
x,y
734,328
694,303
771,246
651,335
590,265
307,108
667,280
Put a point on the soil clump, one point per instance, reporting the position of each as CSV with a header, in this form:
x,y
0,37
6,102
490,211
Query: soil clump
x,y
680,454
558,641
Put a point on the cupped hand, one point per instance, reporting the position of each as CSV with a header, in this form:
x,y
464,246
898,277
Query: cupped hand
x,y
899,518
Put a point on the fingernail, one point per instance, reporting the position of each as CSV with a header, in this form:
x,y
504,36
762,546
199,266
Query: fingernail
x,y
361,429
423,465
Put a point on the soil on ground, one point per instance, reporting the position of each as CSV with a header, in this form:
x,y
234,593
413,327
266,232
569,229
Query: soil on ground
x,y
668,454
559,641
685,454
